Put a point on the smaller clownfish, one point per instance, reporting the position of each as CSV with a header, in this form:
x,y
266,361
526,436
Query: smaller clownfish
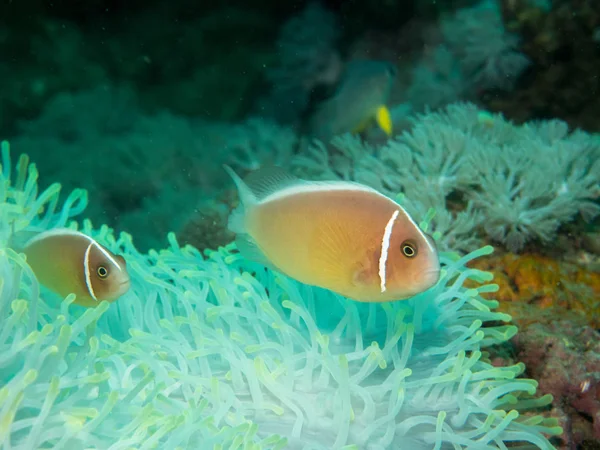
x,y
68,261
338,235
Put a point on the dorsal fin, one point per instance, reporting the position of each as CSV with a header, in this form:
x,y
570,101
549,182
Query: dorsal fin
x,y
268,180
263,182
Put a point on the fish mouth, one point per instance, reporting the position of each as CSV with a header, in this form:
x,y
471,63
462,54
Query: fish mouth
x,y
431,277
123,286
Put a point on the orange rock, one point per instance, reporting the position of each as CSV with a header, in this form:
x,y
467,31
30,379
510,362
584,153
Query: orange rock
x,y
534,288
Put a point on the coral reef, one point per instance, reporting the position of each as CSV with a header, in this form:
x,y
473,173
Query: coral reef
x,y
537,289
466,54
215,351
555,305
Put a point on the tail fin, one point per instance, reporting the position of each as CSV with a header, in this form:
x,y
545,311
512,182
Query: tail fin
x,y
246,195
236,222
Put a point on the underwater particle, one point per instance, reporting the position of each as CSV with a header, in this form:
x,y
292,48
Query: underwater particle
x,y
342,236
67,261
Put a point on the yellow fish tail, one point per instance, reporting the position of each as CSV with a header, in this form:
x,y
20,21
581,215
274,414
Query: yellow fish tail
x,y
384,119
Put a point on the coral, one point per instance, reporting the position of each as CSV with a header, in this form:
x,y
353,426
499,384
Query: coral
x,y
555,306
207,226
565,358
213,351
484,176
537,289
467,55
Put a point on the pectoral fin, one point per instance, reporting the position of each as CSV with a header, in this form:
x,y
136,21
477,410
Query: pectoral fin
x,y
250,250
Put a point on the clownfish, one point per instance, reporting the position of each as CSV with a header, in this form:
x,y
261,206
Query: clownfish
x,y
68,261
338,235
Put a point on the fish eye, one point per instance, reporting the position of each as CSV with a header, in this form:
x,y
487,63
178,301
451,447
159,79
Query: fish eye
x,y
102,272
409,249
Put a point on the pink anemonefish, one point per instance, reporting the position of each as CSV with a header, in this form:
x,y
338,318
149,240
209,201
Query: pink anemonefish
x,y
342,236
67,261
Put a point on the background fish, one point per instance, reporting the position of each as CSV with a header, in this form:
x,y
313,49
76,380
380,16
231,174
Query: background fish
x,y
67,261
358,102
342,236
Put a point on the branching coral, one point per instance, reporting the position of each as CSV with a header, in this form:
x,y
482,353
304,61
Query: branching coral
x,y
516,183
467,54
215,352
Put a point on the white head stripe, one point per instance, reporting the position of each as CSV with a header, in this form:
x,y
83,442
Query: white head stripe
x,y
108,256
86,270
418,228
385,246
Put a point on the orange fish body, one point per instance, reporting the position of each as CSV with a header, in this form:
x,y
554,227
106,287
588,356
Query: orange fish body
x,y
341,236
67,261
